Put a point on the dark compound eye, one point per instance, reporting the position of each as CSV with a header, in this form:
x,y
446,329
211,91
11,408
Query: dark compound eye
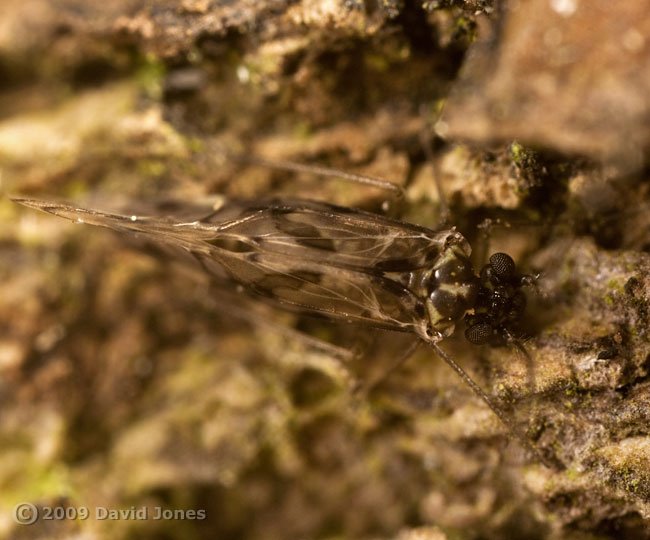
x,y
503,265
479,334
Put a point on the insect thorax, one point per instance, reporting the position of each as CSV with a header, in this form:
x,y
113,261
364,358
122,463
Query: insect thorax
x,y
448,287
492,302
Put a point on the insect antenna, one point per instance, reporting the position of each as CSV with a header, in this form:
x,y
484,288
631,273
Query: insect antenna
x,y
488,401
317,170
425,143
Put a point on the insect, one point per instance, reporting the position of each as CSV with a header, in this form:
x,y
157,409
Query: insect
x,y
346,264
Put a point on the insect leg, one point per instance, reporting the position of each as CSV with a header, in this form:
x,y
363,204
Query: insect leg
x,y
365,388
322,356
397,190
495,409
530,365
425,142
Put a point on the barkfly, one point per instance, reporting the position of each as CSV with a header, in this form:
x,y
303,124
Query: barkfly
x,y
346,264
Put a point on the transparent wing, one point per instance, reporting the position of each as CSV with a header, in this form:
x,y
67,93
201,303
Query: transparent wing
x,y
334,235
187,235
313,256
338,292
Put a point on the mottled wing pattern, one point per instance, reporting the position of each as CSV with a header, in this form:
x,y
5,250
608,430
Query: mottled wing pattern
x,y
337,292
313,256
335,235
